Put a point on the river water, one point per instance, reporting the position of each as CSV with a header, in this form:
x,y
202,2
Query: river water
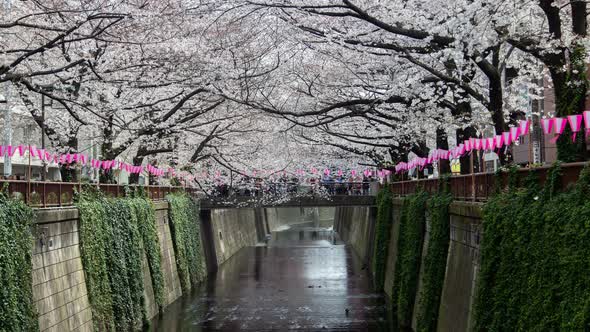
x,y
304,279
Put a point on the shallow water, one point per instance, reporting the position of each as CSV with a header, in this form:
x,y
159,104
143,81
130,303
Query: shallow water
x,y
305,279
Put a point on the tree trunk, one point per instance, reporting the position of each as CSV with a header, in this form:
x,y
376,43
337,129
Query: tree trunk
x,y
442,142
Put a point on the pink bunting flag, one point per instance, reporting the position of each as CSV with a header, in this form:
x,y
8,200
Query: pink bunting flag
x,y
524,127
467,145
586,116
547,125
489,143
478,145
575,122
327,171
9,150
340,173
353,172
33,151
506,137
21,150
498,141
514,134
1,150
558,127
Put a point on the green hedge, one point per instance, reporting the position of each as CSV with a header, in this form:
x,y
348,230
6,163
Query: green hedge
x,y
435,262
535,259
114,233
382,235
407,267
185,229
17,311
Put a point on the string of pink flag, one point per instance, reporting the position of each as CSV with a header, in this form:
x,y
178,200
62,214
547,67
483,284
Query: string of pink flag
x,y
550,126
83,159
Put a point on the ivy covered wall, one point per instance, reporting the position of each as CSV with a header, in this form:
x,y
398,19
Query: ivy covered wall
x,y
185,229
435,262
114,234
409,252
17,311
535,258
382,236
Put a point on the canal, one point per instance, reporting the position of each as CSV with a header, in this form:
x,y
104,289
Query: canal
x,y
303,279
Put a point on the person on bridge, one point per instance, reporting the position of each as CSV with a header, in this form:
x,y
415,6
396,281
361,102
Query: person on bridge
x,y
366,185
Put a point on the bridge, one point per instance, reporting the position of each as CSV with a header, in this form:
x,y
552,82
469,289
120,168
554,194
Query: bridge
x,y
287,201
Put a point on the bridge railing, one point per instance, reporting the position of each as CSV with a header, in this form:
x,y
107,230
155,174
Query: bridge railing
x,y
55,194
280,188
480,186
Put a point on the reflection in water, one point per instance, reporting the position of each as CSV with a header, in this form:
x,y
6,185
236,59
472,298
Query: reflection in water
x,y
304,280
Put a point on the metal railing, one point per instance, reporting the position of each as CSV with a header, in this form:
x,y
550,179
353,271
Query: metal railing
x,y
55,194
280,188
480,186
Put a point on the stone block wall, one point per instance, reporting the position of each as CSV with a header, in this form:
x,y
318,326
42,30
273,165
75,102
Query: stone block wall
x,y
455,311
462,265
59,284
172,289
233,229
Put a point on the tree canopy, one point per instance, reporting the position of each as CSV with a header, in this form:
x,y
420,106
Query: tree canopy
x,y
285,84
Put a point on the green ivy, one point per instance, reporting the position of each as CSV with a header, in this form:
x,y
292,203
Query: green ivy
x,y
534,259
146,217
185,229
407,268
114,234
124,254
94,238
382,235
435,262
17,310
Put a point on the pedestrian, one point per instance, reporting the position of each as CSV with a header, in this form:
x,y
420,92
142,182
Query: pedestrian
x,y
366,185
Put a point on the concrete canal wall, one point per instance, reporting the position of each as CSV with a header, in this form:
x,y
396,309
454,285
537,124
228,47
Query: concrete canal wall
x,y
59,283
356,226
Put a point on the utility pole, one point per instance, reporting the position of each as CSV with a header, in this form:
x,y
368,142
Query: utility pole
x,y
43,163
8,111
7,130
